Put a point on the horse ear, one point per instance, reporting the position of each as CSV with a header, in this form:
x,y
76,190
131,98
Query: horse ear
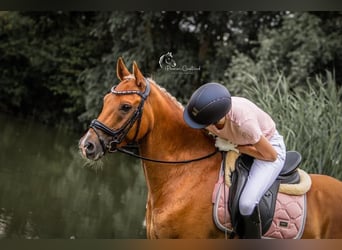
x,y
137,74
121,69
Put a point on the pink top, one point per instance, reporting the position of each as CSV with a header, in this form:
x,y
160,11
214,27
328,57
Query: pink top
x,y
245,123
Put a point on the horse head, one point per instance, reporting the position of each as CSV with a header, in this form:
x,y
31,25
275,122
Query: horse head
x,y
120,121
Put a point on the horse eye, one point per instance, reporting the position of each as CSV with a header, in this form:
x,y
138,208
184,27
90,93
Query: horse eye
x,y
125,107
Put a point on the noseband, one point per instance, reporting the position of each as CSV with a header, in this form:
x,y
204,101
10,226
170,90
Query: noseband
x,y
119,134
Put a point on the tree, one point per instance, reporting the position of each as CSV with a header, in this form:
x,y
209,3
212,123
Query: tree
x,y
303,46
42,57
56,66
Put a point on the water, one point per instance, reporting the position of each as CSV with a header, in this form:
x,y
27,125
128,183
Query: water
x,y
47,191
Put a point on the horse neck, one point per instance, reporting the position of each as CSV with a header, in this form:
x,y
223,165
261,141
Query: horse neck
x,y
171,139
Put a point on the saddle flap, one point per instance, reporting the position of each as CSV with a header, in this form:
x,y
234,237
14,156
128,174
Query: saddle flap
x,y
238,179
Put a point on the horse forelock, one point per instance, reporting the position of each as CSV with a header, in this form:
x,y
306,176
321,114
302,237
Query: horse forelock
x,y
163,90
129,77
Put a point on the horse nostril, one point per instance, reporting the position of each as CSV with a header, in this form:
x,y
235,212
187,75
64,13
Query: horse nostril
x,y
89,147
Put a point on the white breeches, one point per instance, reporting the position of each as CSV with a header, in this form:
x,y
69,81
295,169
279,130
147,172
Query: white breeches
x,y
261,176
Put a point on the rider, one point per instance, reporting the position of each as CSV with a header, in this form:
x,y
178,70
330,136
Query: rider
x,y
252,131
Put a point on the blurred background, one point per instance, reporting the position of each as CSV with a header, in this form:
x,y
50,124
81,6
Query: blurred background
x,y
55,68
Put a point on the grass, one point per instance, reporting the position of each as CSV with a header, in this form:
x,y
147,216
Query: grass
x,y
308,116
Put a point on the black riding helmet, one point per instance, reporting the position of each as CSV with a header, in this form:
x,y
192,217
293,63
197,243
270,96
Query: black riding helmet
x,y
207,105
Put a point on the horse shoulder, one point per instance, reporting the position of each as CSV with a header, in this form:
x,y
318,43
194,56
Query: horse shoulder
x,y
187,204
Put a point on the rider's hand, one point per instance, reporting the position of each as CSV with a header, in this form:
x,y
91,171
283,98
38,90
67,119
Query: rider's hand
x,y
224,145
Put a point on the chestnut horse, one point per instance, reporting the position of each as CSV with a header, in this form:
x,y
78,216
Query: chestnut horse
x,y
179,195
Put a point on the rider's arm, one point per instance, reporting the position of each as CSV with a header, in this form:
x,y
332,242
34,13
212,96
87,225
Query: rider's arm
x,y
261,150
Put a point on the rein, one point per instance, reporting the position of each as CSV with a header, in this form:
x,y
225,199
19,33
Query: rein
x,y
127,152
119,134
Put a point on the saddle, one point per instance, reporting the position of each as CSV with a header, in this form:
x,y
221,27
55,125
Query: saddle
x,y
288,175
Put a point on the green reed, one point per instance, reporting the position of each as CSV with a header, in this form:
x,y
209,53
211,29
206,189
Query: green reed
x,y
308,116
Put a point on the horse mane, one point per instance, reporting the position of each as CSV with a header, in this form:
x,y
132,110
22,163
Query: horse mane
x,y
171,97
163,90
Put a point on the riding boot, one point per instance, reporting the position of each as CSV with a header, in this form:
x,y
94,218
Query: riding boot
x,y
252,225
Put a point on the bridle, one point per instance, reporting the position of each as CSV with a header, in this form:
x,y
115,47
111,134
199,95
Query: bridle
x,y
118,135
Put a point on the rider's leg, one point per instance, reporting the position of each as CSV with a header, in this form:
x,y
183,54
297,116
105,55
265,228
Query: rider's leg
x,y
261,176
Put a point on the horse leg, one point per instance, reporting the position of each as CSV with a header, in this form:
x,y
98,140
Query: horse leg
x,y
324,217
150,233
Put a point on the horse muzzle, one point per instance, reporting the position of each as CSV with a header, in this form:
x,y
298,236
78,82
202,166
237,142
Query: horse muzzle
x,y
90,147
